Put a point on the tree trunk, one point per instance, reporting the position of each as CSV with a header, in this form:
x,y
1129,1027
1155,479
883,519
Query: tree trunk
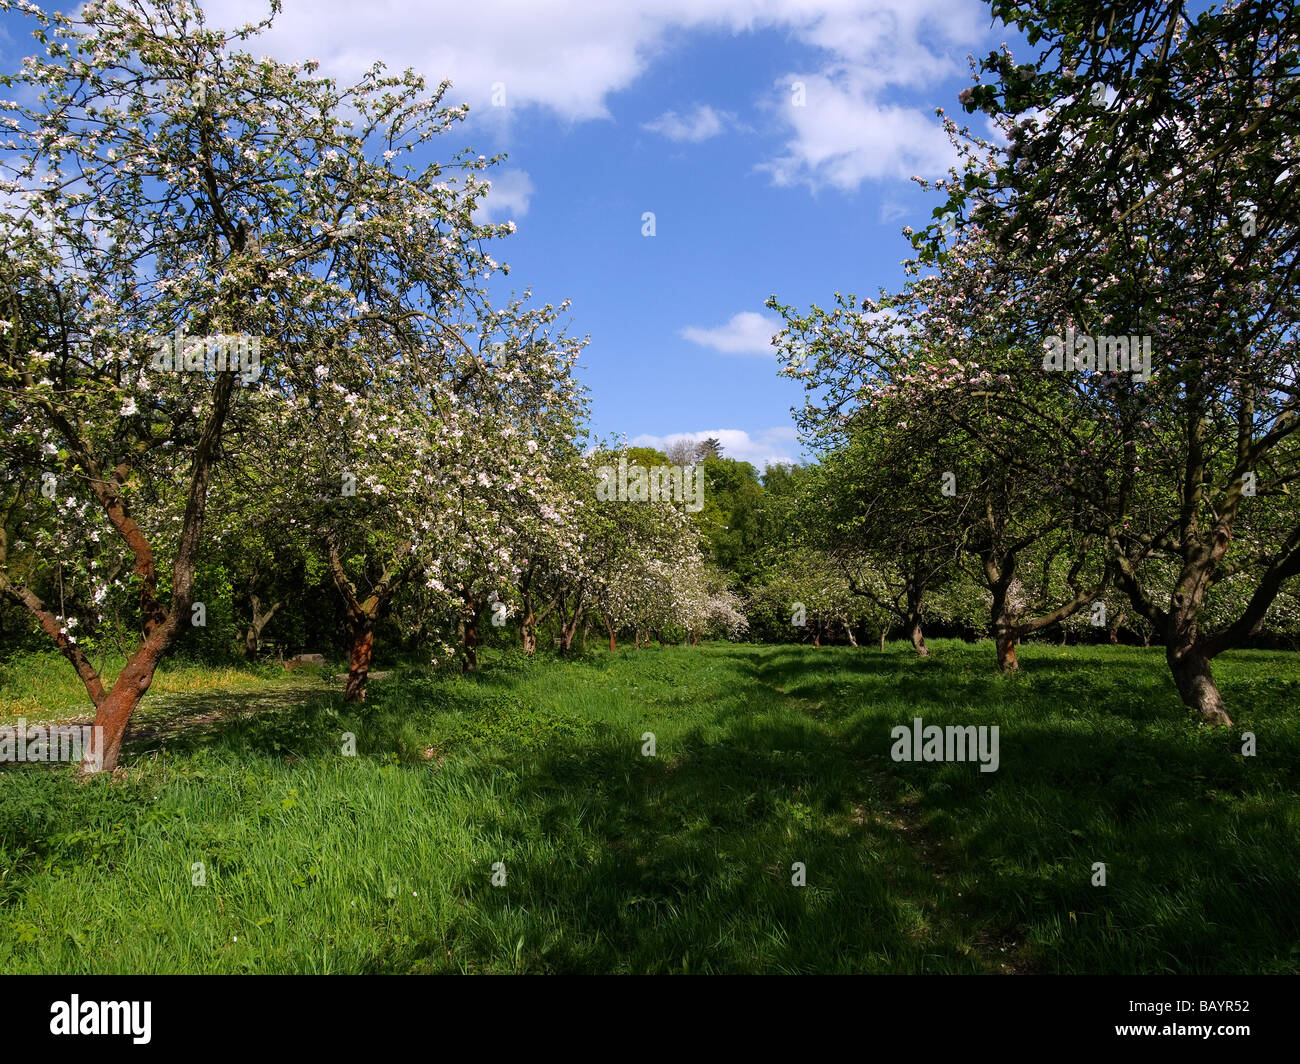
x,y
884,632
161,626
114,712
1195,683
915,592
1004,622
569,630
253,636
470,661
848,631
363,646
1112,633
613,643
1005,640
918,637
1189,665
528,626
362,615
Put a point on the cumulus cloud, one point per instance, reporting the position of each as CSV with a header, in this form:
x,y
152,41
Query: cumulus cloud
x,y
769,447
570,58
747,333
701,124
843,136
507,199
565,57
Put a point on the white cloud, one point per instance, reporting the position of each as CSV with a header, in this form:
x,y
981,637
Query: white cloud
x,y
747,333
768,447
570,57
566,57
701,124
850,128
844,136
507,199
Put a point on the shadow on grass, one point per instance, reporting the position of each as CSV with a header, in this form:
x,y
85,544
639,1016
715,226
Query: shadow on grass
x,y
1197,841
686,864
684,861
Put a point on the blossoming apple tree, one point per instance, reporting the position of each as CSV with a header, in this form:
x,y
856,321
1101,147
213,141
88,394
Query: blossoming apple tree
x,y
1142,185
169,198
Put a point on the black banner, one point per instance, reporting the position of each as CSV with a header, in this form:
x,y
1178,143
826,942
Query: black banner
x,y
787,1015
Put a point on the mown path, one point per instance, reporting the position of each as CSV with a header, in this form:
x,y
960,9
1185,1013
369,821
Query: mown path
x,y
878,819
999,953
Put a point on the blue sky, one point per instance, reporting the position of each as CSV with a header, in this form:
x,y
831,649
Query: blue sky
x,y
683,108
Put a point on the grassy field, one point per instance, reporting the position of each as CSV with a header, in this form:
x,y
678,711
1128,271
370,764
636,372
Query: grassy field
x,y
681,862
44,687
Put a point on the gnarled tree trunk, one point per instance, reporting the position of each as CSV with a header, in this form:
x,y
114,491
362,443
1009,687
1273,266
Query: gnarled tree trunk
x,y
113,714
1188,663
362,614
918,638
1010,624
999,572
1005,642
162,627
253,634
1195,683
363,647
569,625
1112,632
528,625
915,591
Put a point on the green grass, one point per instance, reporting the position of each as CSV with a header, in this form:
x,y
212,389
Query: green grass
x,y
681,862
45,687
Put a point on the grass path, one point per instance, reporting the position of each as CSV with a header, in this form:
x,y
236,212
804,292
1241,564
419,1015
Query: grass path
x,y
932,855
